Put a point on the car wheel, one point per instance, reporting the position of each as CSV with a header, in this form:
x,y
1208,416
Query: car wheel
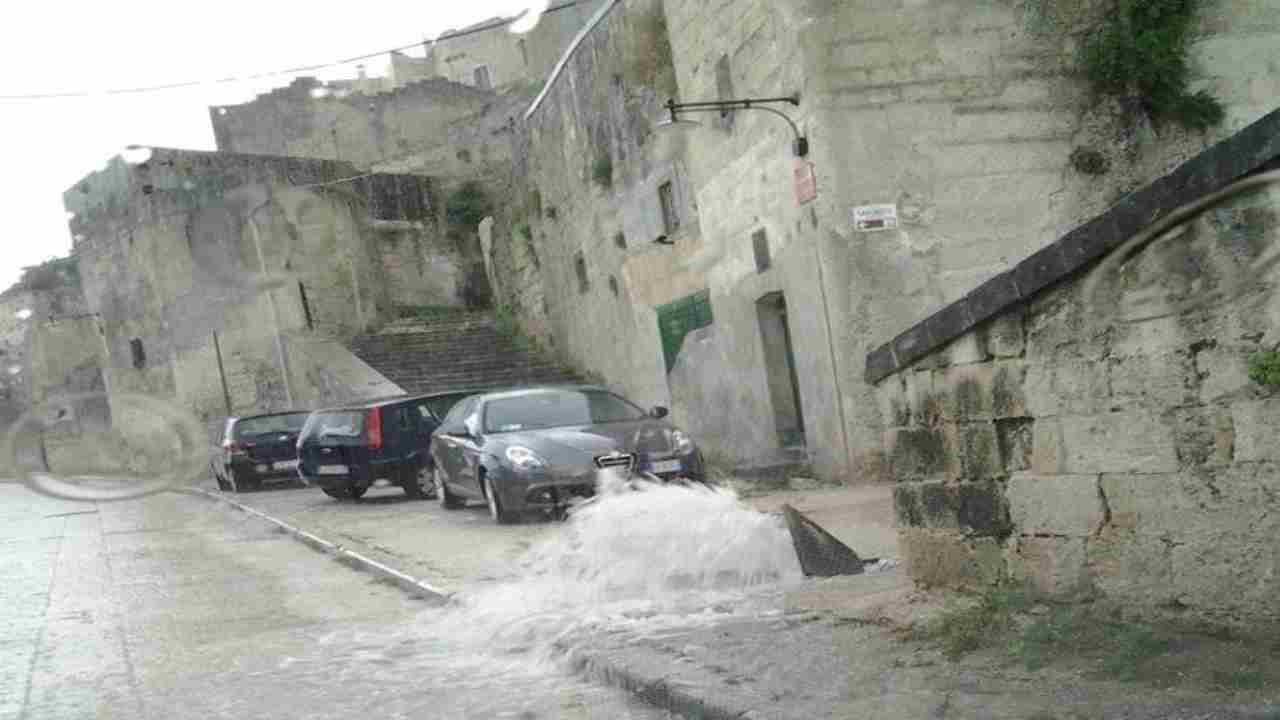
x,y
496,511
358,492
447,499
418,483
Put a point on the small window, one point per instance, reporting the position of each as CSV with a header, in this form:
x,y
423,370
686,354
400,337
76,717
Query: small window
x,y
620,240
724,91
613,285
580,265
139,354
760,241
667,200
482,77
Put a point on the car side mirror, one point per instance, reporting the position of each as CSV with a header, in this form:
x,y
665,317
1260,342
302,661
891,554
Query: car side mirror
x,y
659,412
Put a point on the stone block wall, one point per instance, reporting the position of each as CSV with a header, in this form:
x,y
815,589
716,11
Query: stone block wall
x,y
1104,439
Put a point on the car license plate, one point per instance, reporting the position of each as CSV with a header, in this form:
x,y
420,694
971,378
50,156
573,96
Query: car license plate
x,y
333,470
286,465
665,466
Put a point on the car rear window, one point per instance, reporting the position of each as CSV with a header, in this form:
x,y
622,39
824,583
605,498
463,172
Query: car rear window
x,y
269,424
345,423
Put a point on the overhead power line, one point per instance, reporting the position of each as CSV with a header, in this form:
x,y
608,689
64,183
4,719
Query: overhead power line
x,y
484,27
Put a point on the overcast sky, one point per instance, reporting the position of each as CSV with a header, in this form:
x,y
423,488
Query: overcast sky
x,y
57,46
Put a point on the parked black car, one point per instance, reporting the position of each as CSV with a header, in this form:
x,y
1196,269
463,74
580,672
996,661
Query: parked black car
x,y
344,451
256,449
540,448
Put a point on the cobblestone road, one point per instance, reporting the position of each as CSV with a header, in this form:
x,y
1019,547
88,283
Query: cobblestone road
x,y
177,607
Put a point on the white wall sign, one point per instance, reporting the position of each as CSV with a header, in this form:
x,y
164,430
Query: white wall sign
x,y
870,218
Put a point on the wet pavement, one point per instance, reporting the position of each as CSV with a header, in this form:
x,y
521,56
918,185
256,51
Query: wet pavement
x,y
176,607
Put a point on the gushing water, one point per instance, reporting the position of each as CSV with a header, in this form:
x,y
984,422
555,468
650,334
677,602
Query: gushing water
x,y
639,556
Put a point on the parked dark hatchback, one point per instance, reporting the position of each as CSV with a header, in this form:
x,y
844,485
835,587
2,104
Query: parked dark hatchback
x,y
257,449
542,448
344,451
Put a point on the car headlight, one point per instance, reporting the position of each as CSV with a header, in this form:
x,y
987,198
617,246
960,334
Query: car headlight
x,y
524,459
682,442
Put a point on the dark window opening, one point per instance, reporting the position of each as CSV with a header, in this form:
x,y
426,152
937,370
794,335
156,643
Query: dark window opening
x,y
482,77
724,91
139,354
620,240
306,306
667,200
580,265
760,242
613,285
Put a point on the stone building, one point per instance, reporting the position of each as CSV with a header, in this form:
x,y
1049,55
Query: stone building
x,y
487,55
955,148
229,281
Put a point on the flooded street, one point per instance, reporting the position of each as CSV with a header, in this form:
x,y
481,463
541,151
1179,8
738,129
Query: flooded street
x,y
175,606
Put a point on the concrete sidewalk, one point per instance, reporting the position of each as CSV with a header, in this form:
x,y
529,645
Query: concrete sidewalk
x,y
833,649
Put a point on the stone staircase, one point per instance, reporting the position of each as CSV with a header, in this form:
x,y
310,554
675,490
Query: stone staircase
x,y
454,351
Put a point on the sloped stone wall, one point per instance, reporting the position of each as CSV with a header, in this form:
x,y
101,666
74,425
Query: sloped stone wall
x,y
1105,438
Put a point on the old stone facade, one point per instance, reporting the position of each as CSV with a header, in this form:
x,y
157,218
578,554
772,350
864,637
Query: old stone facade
x,y
487,55
1105,437
227,281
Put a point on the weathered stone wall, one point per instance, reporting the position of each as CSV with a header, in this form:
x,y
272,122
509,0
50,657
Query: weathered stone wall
x,y
15,355
1105,439
965,115
305,119
512,59
188,246
588,171
743,171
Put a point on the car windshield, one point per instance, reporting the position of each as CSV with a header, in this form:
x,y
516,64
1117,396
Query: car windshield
x,y
269,424
559,408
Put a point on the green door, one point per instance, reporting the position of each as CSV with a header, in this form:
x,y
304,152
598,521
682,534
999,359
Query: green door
x,y
679,318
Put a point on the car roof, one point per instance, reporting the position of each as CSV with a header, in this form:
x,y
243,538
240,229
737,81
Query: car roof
x,y
270,414
396,399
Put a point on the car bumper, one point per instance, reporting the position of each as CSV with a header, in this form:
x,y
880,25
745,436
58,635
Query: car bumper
x,y
357,476
262,471
545,491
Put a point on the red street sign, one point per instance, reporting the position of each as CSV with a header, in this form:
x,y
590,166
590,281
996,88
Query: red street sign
x,y
806,182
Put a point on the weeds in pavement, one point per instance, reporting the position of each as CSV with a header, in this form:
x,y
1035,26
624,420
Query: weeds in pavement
x,y
1103,643
962,629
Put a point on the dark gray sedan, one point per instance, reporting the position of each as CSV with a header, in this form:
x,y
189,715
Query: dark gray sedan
x,y
542,448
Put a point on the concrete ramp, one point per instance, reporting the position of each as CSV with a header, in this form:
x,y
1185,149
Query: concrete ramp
x,y
820,553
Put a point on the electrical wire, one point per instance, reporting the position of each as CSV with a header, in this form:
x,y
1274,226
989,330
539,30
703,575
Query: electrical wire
x,y
502,22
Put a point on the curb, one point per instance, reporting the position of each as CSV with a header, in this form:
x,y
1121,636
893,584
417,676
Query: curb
x,y
350,558
656,692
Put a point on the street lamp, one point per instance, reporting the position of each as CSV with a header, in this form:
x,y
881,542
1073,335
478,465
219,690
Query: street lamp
x,y
800,145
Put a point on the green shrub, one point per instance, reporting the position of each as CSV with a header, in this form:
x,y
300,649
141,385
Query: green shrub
x,y
1140,51
602,170
1264,369
468,205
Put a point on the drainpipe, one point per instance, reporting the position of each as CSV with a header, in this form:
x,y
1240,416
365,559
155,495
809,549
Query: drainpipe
x,y
271,300
831,348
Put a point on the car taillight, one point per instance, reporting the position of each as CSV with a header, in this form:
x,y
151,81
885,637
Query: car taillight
x,y
374,425
236,448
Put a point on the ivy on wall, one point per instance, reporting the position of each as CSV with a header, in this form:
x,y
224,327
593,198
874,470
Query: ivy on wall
x,y
1140,52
